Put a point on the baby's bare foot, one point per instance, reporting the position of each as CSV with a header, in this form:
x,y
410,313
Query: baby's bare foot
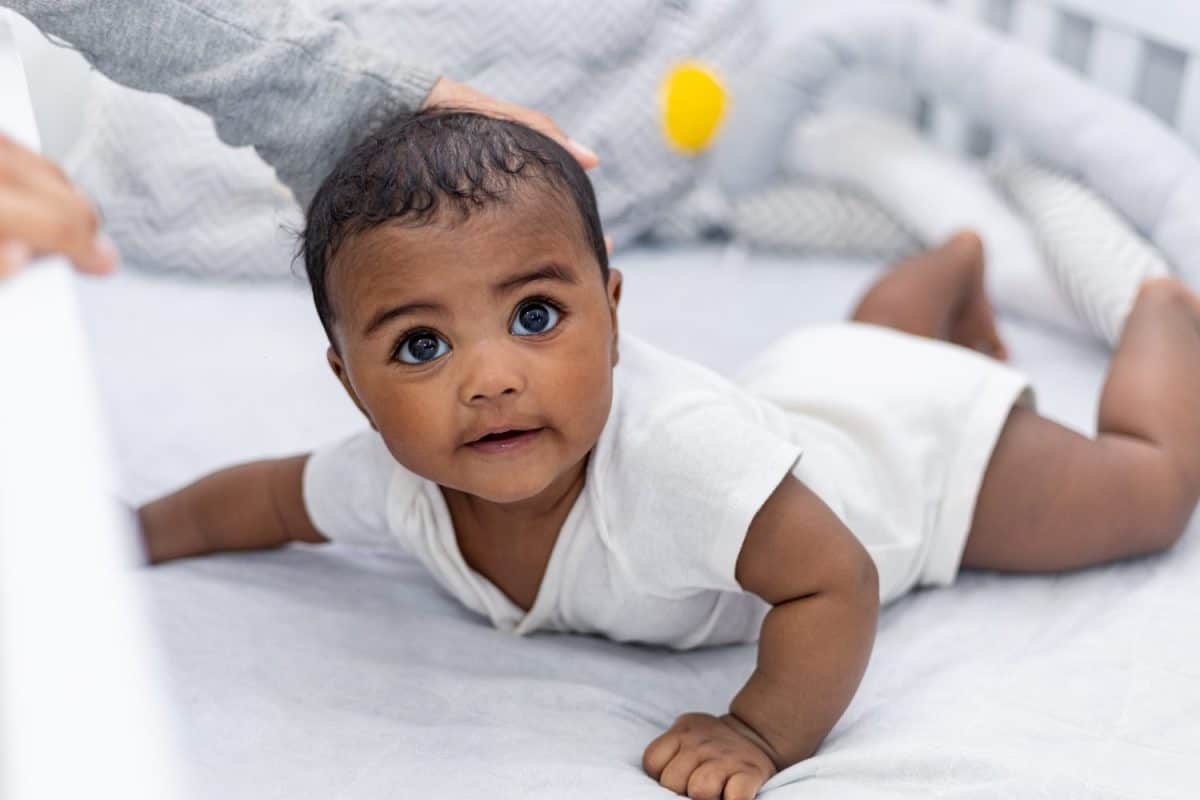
x,y
964,245
974,324
1170,289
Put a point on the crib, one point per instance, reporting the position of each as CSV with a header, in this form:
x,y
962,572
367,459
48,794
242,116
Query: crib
x,y
333,672
1141,51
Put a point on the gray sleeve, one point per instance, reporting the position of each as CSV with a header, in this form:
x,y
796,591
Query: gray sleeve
x,y
298,87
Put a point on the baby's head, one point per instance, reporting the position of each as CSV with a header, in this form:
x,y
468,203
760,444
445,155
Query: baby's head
x,y
458,266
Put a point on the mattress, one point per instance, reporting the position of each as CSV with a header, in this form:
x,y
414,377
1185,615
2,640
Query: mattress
x,y
335,672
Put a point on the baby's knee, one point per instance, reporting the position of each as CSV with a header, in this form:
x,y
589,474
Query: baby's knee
x,y
1172,496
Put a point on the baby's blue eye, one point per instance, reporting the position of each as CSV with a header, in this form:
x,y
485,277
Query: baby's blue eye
x,y
534,317
421,348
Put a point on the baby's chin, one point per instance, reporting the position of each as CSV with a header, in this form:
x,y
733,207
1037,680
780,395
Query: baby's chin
x,y
507,484
508,489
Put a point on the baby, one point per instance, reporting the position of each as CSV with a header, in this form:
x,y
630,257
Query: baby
x,y
553,475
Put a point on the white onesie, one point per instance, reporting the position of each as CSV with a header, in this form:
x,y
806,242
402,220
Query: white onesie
x,y
685,461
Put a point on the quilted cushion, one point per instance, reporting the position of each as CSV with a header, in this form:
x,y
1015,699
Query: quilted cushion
x,y
1094,255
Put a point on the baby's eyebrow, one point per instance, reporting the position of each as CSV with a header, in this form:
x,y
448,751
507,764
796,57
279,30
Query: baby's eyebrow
x,y
551,272
385,315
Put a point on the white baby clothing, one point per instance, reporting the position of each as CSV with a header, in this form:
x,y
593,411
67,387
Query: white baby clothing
x,y
896,432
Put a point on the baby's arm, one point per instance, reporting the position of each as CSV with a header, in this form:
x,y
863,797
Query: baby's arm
x,y
248,507
812,653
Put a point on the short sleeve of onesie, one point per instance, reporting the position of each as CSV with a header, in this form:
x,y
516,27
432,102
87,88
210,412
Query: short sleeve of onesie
x,y
346,488
686,474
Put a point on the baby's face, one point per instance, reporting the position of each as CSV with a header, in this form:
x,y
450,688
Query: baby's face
x,y
483,351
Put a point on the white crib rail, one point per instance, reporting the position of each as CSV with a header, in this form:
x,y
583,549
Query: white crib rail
x,y
81,712
1145,50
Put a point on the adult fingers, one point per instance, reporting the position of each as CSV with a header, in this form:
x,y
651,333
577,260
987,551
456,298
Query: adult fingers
x,y
540,122
13,256
59,221
19,165
453,94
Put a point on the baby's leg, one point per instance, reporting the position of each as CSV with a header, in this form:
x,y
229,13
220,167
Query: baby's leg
x,y
1055,500
939,294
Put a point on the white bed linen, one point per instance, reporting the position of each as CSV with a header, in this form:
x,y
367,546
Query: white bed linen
x,y
332,672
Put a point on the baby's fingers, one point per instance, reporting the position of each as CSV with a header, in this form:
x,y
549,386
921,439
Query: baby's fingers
x,y
707,781
676,775
743,785
659,753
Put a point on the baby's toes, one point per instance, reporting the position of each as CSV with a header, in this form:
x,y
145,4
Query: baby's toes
x,y
976,330
997,350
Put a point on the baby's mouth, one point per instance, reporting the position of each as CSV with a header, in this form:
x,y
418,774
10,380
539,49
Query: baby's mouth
x,y
503,441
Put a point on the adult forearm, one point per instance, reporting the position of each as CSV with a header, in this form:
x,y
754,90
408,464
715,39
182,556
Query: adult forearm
x,y
298,87
812,654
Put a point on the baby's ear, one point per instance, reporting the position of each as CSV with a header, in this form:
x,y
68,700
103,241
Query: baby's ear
x,y
614,299
339,370
614,289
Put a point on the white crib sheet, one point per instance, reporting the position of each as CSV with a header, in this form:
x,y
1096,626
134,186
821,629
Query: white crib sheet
x,y
330,672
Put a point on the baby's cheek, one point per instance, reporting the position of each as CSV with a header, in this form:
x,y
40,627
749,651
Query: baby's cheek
x,y
587,398
418,436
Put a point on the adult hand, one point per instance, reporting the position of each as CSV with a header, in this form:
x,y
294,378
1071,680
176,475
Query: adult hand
x,y
41,212
457,95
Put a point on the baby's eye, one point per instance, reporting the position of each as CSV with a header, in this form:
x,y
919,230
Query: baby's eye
x,y
421,348
534,317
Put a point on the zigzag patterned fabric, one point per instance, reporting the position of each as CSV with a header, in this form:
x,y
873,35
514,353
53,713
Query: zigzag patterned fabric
x,y
1097,259
795,216
175,198
820,218
179,200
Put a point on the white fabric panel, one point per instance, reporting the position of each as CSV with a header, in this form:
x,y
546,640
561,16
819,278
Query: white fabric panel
x,y
81,700
318,672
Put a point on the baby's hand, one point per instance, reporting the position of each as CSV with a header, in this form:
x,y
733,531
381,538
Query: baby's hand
x,y
709,758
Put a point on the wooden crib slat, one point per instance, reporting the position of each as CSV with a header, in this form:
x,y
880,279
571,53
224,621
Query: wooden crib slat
x,y
1188,120
1073,41
947,126
1175,23
1116,60
1035,24
1161,80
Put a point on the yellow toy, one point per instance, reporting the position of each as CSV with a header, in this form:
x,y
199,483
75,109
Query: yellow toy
x,y
694,103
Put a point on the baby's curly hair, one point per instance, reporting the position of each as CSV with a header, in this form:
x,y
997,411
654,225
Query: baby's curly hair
x,y
422,165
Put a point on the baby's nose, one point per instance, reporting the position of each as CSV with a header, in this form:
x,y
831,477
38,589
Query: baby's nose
x,y
492,374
